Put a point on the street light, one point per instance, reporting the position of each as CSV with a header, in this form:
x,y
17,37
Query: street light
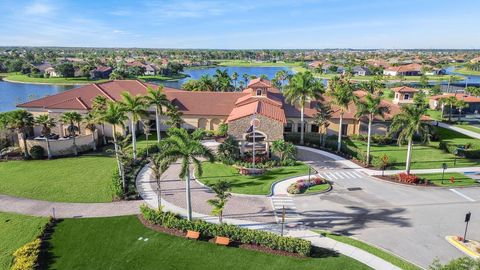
x,y
444,167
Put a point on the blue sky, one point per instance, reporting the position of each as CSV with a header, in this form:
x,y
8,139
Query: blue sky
x,y
242,24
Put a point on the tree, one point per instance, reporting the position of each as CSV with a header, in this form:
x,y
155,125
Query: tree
x,y
222,194
449,101
286,151
228,151
159,100
99,104
245,78
460,104
174,117
21,121
408,124
302,88
223,82
321,118
134,106
71,118
424,81
158,166
206,83
472,90
66,70
47,124
90,121
372,86
342,93
463,263
235,78
281,77
114,115
179,145
371,106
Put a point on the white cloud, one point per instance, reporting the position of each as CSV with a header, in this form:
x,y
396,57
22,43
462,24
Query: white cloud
x,y
39,8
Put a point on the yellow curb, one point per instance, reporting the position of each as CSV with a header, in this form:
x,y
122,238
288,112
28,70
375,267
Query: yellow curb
x,y
452,240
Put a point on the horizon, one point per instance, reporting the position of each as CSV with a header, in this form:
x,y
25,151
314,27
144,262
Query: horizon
x,y
242,25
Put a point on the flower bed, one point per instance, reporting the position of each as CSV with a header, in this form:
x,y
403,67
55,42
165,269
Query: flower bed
x,y
235,233
300,186
408,178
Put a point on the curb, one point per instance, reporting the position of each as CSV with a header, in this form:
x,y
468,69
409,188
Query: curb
x,y
453,242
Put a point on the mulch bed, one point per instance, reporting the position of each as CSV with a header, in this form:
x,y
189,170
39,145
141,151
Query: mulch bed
x,y
182,234
394,178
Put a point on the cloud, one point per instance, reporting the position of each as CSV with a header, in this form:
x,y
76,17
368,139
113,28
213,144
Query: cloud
x,y
39,8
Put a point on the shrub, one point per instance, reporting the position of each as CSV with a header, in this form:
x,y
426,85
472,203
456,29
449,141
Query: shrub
x,y
25,258
377,162
116,185
228,151
408,178
235,233
222,130
303,184
36,152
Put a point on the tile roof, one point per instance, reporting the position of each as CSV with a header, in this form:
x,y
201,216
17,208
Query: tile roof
x,y
405,68
261,107
458,96
404,89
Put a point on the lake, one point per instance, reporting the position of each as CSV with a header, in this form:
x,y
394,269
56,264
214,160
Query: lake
x,y
15,93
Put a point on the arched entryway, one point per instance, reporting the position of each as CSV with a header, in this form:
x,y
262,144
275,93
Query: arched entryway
x,y
214,123
202,123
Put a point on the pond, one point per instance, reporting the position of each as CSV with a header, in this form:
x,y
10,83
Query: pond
x,y
15,93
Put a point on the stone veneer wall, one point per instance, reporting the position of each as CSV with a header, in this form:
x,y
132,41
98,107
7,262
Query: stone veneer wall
x,y
272,128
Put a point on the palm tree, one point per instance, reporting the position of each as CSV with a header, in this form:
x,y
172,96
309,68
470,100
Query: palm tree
x,y
371,106
372,86
341,92
158,99
235,78
188,149
158,166
99,104
90,121
223,81
134,106
114,115
450,101
281,77
301,88
408,124
174,117
71,118
321,118
205,83
460,104
221,189
21,121
47,124
245,78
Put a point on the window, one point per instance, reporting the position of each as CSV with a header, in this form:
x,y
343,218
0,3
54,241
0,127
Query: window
x,y
344,129
288,127
314,128
299,127
259,92
406,97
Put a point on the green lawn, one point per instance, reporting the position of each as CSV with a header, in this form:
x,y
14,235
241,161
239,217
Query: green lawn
x,y
317,188
16,231
466,71
424,156
469,127
435,114
461,180
112,243
255,185
245,63
162,78
16,77
74,179
387,256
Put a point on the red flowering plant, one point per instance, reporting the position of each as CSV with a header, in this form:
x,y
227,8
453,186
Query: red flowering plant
x,y
408,178
303,184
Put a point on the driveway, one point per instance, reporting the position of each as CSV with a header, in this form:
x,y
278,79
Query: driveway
x,y
409,221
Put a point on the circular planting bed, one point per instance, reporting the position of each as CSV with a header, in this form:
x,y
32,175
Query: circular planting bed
x,y
313,186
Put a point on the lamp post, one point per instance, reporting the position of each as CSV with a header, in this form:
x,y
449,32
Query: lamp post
x,y
444,167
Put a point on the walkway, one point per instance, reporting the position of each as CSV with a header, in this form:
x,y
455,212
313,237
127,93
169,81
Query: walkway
x,y
147,189
460,130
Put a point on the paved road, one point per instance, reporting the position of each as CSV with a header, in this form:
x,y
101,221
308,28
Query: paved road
x,y
409,221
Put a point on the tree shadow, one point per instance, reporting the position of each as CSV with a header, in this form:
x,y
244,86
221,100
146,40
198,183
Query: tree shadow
x,y
46,257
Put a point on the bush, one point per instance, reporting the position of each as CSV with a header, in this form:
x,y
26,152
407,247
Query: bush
x,y
235,233
377,162
222,130
408,178
25,258
116,185
301,185
36,152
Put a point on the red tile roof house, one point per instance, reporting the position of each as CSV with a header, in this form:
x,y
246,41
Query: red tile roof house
x,y
405,70
208,110
403,95
472,101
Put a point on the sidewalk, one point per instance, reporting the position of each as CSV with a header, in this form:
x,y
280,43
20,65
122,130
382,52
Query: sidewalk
x,y
145,187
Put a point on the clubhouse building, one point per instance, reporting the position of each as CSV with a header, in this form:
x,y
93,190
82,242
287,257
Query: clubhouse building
x,y
206,110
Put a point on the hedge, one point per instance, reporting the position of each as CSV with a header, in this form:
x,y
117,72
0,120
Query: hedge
x,y
235,233
471,151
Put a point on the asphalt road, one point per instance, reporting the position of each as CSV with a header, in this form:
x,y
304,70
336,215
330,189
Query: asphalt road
x,y
409,221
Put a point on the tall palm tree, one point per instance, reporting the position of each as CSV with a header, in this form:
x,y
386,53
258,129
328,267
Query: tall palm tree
x,y
114,115
206,83
21,121
281,77
235,78
221,189
408,124
302,88
91,121
72,118
342,93
47,124
158,166
245,78
159,100
371,106
450,101
222,80
372,86
189,150
99,104
134,106
321,118
460,104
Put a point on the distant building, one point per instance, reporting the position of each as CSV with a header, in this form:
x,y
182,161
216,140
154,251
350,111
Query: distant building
x,y
358,71
51,72
472,101
150,70
101,72
404,70
403,95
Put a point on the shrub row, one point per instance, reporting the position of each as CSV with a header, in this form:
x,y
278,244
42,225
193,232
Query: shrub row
x,y
377,139
468,151
235,233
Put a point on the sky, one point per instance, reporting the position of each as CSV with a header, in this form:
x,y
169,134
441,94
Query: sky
x,y
243,24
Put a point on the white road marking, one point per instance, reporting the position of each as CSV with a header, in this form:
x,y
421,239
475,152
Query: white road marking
x,y
461,194
332,176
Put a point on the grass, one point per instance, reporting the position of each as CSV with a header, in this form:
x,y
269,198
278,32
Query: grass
x,y
469,127
245,63
424,156
435,114
16,231
317,188
255,185
387,256
74,179
465,71
16,77
162,78
112,243
461,180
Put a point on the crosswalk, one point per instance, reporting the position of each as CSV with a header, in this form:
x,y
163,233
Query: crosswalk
x,y
281,201
335,175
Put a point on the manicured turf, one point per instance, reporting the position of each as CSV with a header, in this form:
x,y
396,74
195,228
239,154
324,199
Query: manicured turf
x,y
461,180
154,78
435,114
387,256
16,231
425,156
317,188
257,185
112,243
76,179
16,77
469,127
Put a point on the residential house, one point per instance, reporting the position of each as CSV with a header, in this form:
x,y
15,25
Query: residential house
x,y
150,70
358,71
51,72
403,70
472,101
101,72
404,95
